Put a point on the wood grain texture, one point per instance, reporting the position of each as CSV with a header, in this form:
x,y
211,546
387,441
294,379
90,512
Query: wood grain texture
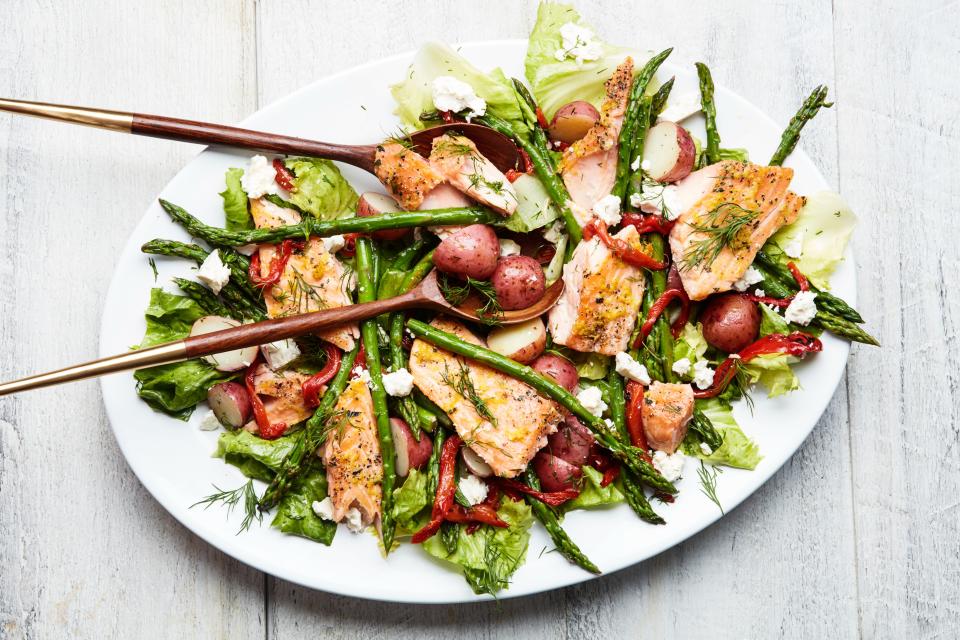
x,y
858,535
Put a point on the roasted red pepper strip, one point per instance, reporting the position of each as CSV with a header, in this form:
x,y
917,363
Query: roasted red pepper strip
x,y
796,344
610,475
447,117
657,308
285,177
542,119
527,162
266,430
648,223
552,498
512,175
313,384
277,266
773,302
801,279
621,248
446,489
638,437
349,245
477,514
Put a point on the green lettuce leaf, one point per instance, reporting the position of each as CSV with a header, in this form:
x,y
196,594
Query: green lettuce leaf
x,y
825,222
555,83
773,372
410,502
414,95
295,514
236,205
489,556
691,344
321,189
735,154
534,207
772,322
737,449
169,317
255,457
592,366
592,494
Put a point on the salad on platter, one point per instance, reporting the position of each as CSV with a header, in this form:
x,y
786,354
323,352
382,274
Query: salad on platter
x,y
692,278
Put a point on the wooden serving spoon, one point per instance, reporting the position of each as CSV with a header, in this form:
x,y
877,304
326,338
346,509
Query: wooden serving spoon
x,y
496,147
426,295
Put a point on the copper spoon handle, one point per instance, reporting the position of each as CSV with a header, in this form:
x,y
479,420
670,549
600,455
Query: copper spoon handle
x,y
192,131
247,335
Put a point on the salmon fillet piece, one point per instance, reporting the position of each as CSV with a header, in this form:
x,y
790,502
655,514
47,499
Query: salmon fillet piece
x,y
589,165
522,419
352,456
445,196
284,396
601,298
754,194
466,169
313,278
666,411
406,174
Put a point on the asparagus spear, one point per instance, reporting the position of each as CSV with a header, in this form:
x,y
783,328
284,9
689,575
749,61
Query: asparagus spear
x,y
206,298
310,226
701,425
809,109
238,264
433,465
627,455
712,151
366,292
660,100
548,517
825,300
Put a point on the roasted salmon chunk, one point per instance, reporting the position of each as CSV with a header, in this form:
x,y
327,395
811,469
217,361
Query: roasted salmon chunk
x,y
716,239
312,279
666,411
406,174
352,456
501,418
283,396
458,160
601,298
589,165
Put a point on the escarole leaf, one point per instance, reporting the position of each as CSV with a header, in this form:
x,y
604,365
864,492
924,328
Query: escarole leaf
x,y
556,82
321,189
255,457
410,502
737,449
414,94
592,494
236,205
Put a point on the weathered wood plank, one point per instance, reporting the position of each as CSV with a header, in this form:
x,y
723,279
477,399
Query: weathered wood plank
x,y
85,551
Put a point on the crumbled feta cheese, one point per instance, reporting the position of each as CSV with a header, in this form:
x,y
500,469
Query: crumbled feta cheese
x,y
658,198
608,209
323,508
794,246
280,353
631,369
802,308
592,401
681,107
609,423
473,489
751,277
354,520
334,243
578,43
213,272
508,248
360,373
645,165
635,164
246,249
209,422
682,366
450,94
760,293
398,383
554,232
702,374
670,466
705,449
260,178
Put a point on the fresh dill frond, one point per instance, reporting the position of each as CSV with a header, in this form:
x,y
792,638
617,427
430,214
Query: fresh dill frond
x,y
708,482
455,292
304,293
153,265
232,498
462,384
722,227
494,576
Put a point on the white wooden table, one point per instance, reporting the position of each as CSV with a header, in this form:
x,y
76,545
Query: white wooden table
x,y
859,535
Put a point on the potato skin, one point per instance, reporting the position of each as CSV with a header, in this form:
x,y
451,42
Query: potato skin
x,y
571,442
572,121
230,402
367,207
555,473
471,252
523,342
686,158
558,368
730,321
519,282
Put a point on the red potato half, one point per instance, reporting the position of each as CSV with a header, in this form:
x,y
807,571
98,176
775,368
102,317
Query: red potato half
x,y
555,473
522,342
519,282
231,360
475,463
373,204
668,152
230,402
410,453
558,368
730,321
470,252
572,121
571,442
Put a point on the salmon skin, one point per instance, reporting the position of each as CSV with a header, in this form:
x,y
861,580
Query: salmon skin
x,y
312,279
589,165
456,157
352,456
601,298
749,201
666,411
406,174
521,419
284,396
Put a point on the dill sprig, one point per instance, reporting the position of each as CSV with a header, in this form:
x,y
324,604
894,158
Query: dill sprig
x,y
456,292
462,384
303,293
721,227
708,482
498,566
231,499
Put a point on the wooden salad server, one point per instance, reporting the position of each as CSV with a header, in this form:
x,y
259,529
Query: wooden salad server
x,y
426,295
498,148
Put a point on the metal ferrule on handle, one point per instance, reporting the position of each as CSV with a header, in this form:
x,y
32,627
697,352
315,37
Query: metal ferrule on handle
x,y
102,118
